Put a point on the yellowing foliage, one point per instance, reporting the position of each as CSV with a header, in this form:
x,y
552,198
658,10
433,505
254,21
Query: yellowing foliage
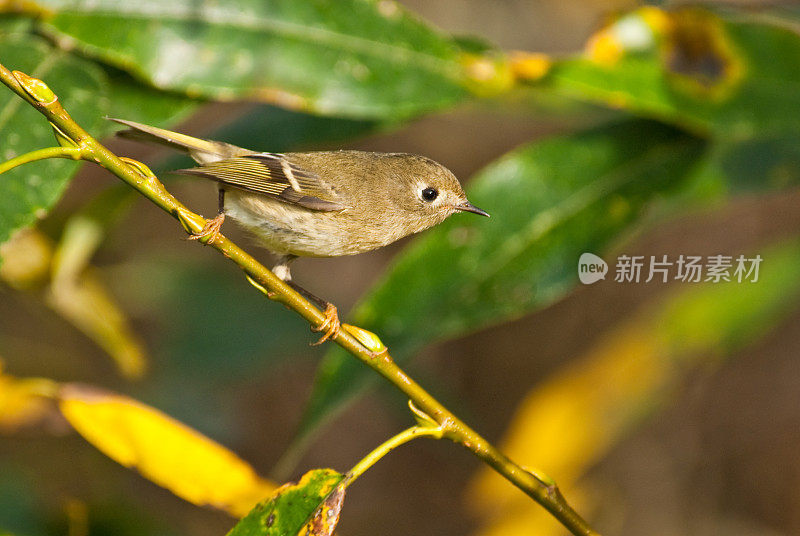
x,y
530,66
23,400
164,450
604,48
487,75
635,31
26,259
71,289
570,422
79,296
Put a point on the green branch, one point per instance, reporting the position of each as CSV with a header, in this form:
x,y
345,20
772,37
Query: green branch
x,y
370,352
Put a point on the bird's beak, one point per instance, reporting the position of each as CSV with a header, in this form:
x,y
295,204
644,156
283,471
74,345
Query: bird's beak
x,y
466,206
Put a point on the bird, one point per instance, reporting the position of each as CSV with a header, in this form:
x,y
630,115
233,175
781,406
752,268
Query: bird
x,y
319,203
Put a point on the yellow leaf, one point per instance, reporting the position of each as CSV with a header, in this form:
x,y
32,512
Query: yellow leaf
x,y
530,66
78,295
30,263
89,306
163,450
23,401
26,259
565,425
570,421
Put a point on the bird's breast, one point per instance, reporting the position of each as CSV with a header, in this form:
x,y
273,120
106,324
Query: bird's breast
x,y
286,229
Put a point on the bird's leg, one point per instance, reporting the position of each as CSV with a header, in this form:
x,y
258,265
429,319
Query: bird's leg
x,y
281,268
210,230
331,324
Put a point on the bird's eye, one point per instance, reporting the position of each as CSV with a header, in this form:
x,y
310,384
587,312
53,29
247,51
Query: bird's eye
x,y
429,194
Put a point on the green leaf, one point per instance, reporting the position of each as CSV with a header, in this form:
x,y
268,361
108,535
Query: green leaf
x,y
550,201
88,92
312,506
132,100
731,77
761,163
355,58
28,192
268,128
14,24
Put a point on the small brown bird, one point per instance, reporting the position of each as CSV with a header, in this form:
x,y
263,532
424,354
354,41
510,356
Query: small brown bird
x,y
318,204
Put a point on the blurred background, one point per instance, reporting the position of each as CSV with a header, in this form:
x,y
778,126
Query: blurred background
x,y
659,408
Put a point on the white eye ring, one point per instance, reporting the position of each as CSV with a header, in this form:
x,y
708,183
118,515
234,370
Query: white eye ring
x,y
429,194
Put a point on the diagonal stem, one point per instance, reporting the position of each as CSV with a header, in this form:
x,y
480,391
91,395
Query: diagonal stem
x,y
540,488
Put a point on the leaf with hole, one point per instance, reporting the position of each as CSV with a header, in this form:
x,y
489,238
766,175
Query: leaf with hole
x,y
729,76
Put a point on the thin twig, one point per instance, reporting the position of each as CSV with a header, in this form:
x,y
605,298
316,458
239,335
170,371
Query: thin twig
x,y
387,446
539,487
73,153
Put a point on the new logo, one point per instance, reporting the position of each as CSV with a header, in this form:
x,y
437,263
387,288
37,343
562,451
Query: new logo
x,y
591,268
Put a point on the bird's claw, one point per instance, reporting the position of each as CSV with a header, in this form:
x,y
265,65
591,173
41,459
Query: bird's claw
x,y
330,325
210,230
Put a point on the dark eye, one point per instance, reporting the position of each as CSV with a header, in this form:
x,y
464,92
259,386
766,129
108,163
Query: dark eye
x,y
429,194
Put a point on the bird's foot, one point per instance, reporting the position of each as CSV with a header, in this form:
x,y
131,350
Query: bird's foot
x,y
210,230
330,325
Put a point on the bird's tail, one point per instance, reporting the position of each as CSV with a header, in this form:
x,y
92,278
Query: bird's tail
x,y
202,151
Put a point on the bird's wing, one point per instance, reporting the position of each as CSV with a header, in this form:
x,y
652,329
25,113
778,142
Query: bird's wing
x,y
271,175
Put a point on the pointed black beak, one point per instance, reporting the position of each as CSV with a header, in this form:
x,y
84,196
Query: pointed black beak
x,y
466,206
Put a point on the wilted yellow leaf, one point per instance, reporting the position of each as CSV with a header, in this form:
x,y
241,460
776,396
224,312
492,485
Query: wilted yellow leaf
x,y
31,263
570,421
23,401
26,259
88,305
163,450
80,297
